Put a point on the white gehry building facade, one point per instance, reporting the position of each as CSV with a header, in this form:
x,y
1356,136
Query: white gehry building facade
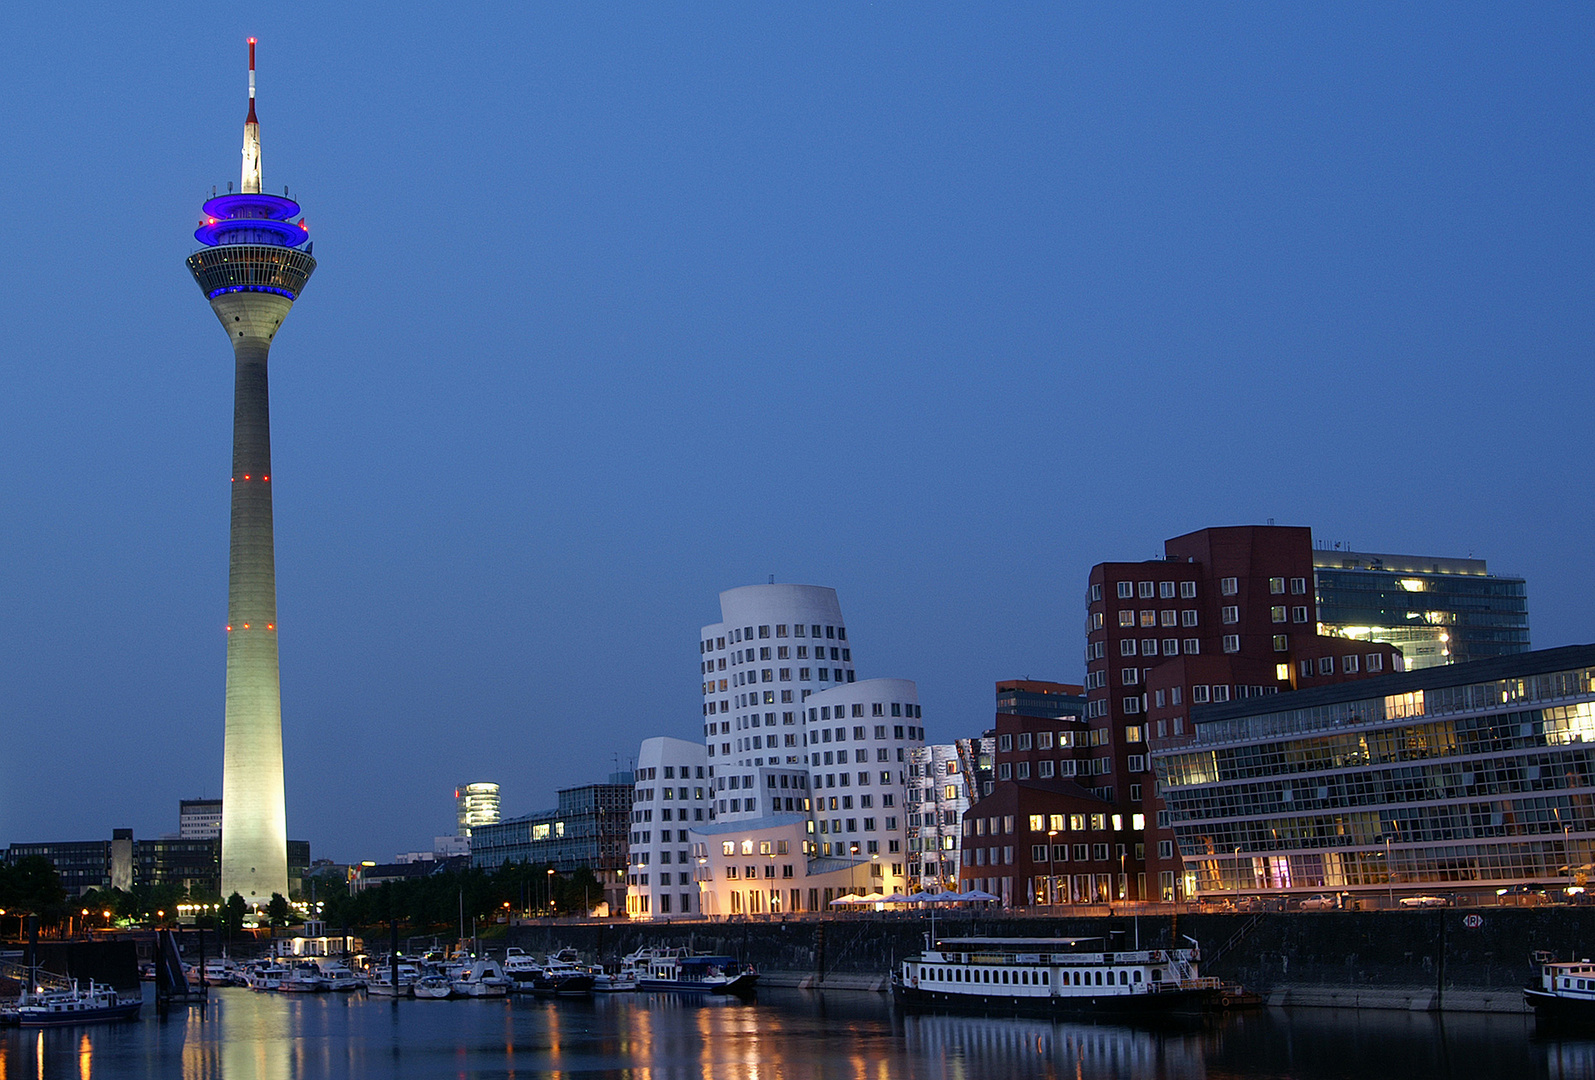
x,y
939,793
808,764
670,797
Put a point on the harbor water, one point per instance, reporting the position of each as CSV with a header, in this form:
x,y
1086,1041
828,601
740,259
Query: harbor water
x,y
242,1035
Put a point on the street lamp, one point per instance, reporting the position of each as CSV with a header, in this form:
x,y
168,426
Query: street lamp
x,y
1237,872
1051,879
1390,871
551,890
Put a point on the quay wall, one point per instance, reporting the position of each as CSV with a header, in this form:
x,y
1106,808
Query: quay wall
x,y
1416,960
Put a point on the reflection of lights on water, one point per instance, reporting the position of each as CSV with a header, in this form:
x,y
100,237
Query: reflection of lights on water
x,y
85,1057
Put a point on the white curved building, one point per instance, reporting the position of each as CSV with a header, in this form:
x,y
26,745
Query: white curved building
x,y
669,798
790,730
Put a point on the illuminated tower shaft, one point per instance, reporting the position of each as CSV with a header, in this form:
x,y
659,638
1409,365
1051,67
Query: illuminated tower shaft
x,y
251,270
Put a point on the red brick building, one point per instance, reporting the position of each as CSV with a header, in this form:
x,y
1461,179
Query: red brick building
x,y
1227,613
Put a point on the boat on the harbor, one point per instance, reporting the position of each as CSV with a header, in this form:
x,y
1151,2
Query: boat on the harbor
x,y
339,979
482,978
681,971
1052,976
563,976
302,978
1566,991
57,1008
266,977
434,985
615,982
379,979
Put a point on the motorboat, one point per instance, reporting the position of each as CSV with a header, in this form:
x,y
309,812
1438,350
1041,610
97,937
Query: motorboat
x,y
682,971
302,978
481,978
266,977
379,980
434,985
521,968
563,976
339,979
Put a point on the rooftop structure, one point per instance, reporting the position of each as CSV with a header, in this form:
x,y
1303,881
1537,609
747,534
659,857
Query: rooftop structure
x,y
476,805
1436,611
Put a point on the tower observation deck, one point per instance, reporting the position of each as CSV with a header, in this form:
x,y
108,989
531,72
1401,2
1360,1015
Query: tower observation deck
x,y
252,266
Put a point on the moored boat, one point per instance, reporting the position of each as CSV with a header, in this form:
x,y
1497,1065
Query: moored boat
x,y
1566,992
58,1008
482,978
562,976
1051,976
693,973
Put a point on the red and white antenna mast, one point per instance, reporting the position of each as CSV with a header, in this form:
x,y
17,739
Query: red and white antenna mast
x,y
251,179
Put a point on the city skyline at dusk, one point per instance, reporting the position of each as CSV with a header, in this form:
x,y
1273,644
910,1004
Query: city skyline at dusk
x,y
629,308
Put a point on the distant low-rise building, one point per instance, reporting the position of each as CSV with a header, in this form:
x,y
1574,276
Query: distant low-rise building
x,y
589,827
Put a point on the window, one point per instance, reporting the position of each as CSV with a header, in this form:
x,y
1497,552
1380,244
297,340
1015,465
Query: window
x,y
1165,849
1038,852
1220,693
1023,771
1228,586
1277,613
1148,618
1199,695
1305,667
1188,590
1003,772
1004,742
1232,643
1375,662
1298,614
1193,646
1174,695
1096,592
1170,617
1044,739
1348,664
1298,586
1132,733
1126,590
1127,647
1326,665
1132,704
1127,617
1188,617
1137,762
1276,585
1129,676
1145,589
1281,642
1044,769
1231,616
1025,740
1149,646
1171,646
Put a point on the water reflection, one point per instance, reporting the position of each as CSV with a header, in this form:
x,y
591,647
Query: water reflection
x,y
240,1035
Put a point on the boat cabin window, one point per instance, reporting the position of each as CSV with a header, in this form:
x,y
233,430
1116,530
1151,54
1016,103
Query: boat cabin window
x,y
1124,978
1137,974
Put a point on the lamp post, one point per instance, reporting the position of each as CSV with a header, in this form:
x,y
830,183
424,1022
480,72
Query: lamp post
x,y
1051,879
1390,871
550,890
1237,872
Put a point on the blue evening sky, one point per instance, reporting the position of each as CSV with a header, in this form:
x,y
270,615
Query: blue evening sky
x,y
622,305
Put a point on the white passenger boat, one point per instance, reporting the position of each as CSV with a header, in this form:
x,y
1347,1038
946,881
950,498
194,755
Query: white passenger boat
x,y
339,979
1055,975
1566,992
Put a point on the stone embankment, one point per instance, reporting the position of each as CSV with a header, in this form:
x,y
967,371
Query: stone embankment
x,y
1444,959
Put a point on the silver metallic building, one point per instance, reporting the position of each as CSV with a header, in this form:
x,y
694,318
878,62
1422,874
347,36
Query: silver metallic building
x,y
1456,779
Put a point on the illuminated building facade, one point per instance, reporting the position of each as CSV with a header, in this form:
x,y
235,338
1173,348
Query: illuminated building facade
x,y
670,796
940,791
199,819
476,805
1436,611
252,266
1227,614
587,828
1460,778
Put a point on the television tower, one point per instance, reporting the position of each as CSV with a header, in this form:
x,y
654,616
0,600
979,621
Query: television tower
x,y
252,267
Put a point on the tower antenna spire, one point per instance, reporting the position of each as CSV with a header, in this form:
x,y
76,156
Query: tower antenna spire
x,y
251,178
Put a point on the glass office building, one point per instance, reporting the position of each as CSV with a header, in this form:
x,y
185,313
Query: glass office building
x,y
1436,611
1456,779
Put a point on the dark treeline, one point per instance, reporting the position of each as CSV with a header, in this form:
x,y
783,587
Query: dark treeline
x,y
443,898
